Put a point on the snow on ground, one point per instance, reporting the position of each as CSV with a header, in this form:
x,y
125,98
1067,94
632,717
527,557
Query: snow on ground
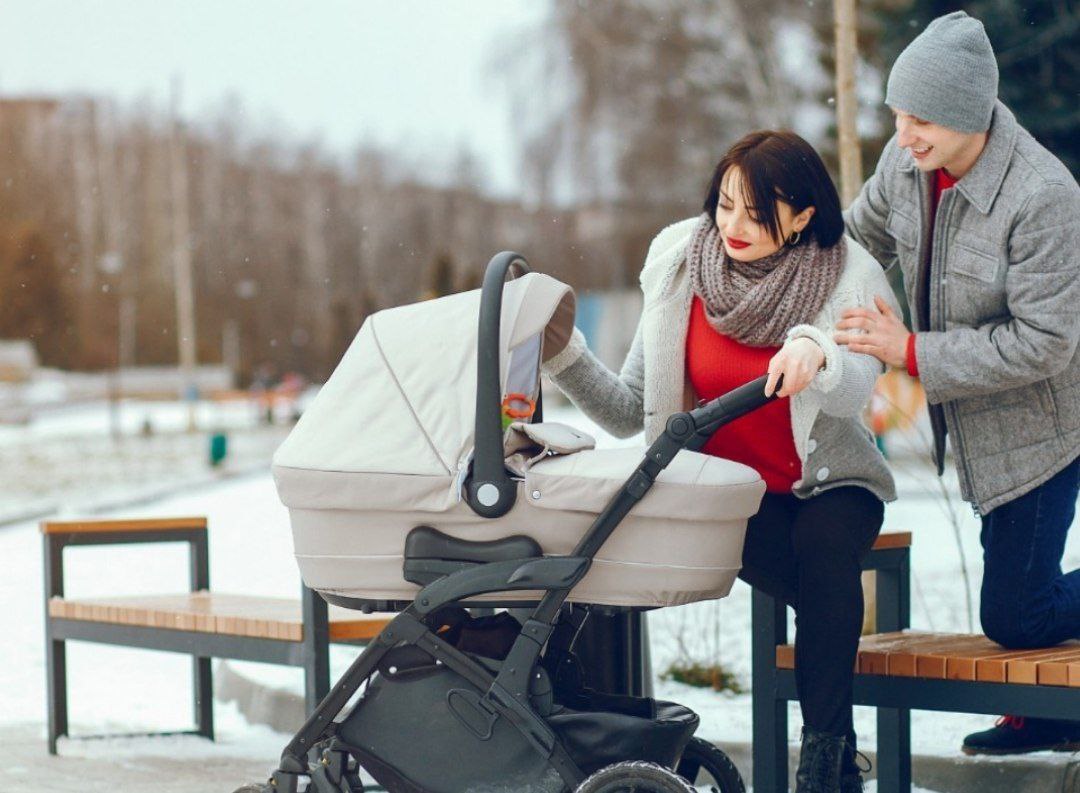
x,y
122,690
66,459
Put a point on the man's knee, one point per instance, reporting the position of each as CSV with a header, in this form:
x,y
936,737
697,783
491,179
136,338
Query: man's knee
x,y
1008,628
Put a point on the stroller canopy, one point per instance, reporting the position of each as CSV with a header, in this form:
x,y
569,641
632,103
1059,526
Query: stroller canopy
x,y
403,398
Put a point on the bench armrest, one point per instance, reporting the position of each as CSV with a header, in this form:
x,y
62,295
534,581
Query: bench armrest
x,y
57,535
99,532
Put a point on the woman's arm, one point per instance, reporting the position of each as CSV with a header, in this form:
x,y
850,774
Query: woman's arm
x,y
615,402
844,386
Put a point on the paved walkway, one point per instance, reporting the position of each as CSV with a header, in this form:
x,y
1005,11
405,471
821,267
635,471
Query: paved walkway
x,y
88,766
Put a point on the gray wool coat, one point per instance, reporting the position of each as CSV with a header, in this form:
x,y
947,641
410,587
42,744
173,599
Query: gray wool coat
x,y
997,354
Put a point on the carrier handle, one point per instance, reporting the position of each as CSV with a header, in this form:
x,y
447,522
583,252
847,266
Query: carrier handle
x,y
489,491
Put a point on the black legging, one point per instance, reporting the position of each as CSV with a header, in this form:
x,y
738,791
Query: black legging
x,y
809,552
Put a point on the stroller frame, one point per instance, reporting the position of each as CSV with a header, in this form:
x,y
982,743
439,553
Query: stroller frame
x,y
506,693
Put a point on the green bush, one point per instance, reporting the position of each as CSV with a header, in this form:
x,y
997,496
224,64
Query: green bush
x,y
712,676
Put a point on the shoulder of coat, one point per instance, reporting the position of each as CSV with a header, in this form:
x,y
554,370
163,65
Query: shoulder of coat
x,y
863,274
671,240
859,263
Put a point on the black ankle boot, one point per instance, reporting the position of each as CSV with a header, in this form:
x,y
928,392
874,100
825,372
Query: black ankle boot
x,y
851,772
851,783
820,762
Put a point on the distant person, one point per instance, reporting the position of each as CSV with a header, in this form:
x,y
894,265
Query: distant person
x,y
985,224
755,284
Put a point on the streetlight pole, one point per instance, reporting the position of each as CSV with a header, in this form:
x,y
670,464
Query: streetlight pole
x,y
185,289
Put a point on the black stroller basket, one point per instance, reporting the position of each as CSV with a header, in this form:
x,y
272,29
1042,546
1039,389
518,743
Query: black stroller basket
x,y
454,702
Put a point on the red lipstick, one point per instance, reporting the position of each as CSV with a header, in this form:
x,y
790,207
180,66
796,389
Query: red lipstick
x,y
737,244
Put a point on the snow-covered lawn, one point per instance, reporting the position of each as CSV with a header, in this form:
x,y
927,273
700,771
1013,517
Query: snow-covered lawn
x,y
123,690
67,460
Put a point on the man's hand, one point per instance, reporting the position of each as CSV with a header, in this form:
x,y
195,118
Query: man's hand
x,y
885,335
798,361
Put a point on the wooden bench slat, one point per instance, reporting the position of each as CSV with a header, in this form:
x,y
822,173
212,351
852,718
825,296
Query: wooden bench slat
x,y
1055,672
933,661
1026,670
995,669
213,612
958,657
893,539
874,650
102,526
903,661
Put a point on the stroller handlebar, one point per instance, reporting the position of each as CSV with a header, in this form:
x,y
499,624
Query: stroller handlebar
x,y
708,418
489,490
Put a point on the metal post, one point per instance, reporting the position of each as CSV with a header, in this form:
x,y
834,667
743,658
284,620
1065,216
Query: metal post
x,y
202,673
769,627
605,650
894,724
55,650
316,642
182,267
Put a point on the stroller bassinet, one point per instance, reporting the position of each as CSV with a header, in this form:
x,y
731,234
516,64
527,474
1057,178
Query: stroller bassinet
x,y
423,478
386,444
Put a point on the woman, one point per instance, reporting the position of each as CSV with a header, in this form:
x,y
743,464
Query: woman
x,y
756,284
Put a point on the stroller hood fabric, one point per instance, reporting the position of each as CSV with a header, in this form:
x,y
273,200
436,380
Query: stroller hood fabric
x,y
403,398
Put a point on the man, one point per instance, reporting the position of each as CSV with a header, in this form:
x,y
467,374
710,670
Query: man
x,y
985,225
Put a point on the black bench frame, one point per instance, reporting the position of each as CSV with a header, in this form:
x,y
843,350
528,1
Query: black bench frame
x,y
773,688
312,653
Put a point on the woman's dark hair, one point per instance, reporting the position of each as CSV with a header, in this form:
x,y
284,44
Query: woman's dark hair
x,y
781,166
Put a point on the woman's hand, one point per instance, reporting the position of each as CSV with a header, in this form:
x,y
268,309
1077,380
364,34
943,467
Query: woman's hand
x,y
798,361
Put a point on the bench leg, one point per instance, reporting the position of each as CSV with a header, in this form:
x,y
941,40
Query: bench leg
x,y
770,744
316,647
770,712
894,750
203,689
57,685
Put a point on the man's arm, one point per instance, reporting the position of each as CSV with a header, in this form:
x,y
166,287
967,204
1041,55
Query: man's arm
x,y
865,218
1042,289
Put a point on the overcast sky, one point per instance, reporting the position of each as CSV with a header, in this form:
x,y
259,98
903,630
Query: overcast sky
x,y
416,75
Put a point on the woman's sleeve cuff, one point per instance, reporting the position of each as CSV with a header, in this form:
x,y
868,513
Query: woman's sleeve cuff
x,y
829,377
567,356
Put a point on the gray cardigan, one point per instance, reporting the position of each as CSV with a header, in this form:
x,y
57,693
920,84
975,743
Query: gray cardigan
x,y
835,447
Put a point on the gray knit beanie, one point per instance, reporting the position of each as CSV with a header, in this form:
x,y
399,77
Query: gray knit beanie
x,y
948,75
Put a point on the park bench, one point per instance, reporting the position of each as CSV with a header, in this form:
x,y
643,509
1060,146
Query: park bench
x,y
199,623
898,670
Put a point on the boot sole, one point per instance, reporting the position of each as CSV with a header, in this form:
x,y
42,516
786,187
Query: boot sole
x,y
1051,747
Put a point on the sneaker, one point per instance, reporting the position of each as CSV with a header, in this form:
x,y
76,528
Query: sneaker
x,y
1019,734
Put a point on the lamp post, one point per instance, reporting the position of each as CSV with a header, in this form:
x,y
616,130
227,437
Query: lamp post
x,y
111,264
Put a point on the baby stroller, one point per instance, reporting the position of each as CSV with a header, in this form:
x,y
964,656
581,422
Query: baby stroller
x,y
412,490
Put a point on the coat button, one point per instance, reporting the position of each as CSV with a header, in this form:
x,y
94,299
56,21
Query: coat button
x,y
811,446
822,474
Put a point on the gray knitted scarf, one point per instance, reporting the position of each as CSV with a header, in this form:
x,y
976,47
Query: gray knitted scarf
x,y
757,302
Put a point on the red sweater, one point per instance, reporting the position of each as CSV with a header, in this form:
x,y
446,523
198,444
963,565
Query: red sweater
x,y
942,182
762,439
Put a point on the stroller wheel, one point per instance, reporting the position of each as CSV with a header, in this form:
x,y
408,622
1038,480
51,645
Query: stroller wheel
x,y
707,768
635,777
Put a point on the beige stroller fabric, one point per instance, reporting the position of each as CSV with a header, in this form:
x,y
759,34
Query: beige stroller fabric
x,y
384,446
